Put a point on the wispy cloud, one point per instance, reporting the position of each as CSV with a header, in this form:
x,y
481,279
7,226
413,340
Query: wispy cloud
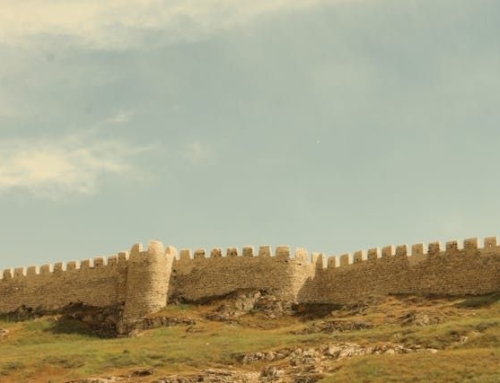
x,y
7,108
117,24
196,152
62,167
119,118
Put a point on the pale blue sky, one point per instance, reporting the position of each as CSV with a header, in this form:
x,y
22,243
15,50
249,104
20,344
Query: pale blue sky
x,y
330,125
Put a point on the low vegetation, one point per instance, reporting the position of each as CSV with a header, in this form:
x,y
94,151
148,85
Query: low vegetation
x,y
394,339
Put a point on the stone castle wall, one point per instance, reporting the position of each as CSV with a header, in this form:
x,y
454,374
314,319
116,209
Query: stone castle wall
x,y
141,280
200,277
96,282
452,271
144,281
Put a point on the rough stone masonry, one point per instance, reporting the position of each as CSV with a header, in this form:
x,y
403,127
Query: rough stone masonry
x,y
144,280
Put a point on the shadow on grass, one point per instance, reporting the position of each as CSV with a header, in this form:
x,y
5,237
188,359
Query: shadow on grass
x,y
312,311
76,318
69,325
482,301
22,314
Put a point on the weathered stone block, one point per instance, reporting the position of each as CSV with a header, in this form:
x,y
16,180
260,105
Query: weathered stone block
x,y
112,260
434,248
320,261
72,265
7,274
471,245
490,242
232,252
344,259
387,251
451,247
136,249
248,251
185,255
46,269
401,250
156,247
417,249
216,253
86,264
123,256
373,254
358,256
265,251
283,252
199,254
19,272
301,255
98,262
332,262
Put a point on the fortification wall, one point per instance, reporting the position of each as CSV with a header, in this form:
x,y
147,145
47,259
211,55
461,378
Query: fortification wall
x,y
147,280
204,277
98,282
450,271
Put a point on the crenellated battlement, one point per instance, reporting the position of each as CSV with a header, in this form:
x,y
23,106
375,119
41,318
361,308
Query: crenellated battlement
x,y
60,267
470,246
144,279
418,252
281,252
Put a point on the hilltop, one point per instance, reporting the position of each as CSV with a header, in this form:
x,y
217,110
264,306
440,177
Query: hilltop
x,y
251,336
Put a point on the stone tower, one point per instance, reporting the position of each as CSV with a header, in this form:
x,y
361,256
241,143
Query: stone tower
x,y
148,279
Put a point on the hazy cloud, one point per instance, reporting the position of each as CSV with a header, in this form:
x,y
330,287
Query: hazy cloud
x,y
196,152
120,118
116,24
55,168
7,108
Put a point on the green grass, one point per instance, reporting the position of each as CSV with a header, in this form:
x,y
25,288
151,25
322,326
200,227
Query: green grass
x,y
477,365
35,351
32,349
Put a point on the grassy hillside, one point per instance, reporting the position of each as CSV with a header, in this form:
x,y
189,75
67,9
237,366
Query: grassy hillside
x,y
397,339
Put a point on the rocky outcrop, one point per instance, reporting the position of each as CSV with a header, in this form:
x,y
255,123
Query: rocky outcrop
x,y
3,334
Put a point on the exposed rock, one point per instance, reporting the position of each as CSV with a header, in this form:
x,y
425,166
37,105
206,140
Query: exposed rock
x,y
213,376
299,365
334,326
112,379
100,321
135,333
3,333
163,321
145,372
243,302
272,372
270,356
329,351
418,318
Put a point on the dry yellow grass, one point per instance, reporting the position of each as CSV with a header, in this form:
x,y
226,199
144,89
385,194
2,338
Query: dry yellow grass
x,y
466,334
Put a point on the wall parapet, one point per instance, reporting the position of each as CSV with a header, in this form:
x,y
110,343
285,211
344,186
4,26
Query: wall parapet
x,y
417,252
281,252
58,267
452,247
143,279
